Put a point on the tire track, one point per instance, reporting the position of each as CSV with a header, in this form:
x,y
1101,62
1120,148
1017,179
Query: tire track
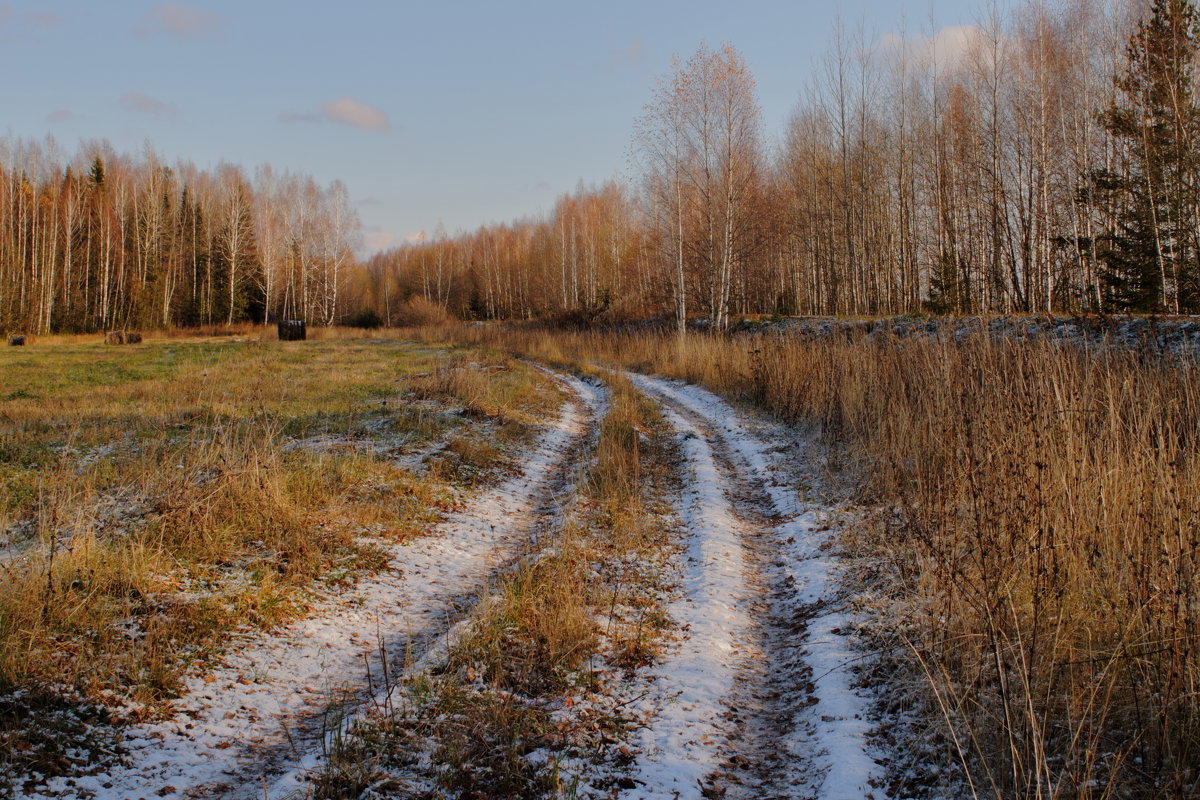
x,y
688,701
790,724
264,712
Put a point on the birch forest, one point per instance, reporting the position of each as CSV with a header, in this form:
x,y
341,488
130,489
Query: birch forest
x,y
1043,159
101,240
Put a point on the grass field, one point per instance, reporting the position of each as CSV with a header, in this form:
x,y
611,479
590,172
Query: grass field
x,y
155,497
1027,547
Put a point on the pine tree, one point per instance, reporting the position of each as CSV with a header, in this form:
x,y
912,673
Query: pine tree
x,y
1151,251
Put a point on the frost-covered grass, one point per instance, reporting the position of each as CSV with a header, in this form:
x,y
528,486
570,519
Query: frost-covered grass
x,y
520,700
155,497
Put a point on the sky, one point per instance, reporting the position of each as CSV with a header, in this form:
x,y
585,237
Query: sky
x,y
452,112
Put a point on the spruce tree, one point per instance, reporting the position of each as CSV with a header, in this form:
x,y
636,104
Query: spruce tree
x,y
97,174
1151,252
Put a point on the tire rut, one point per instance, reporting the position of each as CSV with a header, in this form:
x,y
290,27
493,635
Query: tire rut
x,y
771,746
754,719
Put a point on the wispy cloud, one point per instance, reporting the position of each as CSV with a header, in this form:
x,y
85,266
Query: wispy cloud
x,y
176,19
344,111
948,49
144,104
12,22
417,237
60,116
356,114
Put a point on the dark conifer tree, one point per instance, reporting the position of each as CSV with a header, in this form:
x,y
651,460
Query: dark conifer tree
x,y
1151,251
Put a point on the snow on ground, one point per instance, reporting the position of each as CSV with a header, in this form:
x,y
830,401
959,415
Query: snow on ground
x,y
263,710
680,747
825,743
293,783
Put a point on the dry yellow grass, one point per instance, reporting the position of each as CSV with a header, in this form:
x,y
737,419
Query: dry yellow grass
x,y
530,646
159,495
1037,534
1036,544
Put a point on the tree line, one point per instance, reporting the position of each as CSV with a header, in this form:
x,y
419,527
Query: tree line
x,y
101,240
1043,159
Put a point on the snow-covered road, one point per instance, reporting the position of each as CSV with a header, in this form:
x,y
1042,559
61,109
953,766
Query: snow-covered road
x,y
264,710
758,699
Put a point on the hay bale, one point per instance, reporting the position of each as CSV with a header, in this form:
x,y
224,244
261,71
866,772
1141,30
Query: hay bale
x,y
122,337
17,341
292,330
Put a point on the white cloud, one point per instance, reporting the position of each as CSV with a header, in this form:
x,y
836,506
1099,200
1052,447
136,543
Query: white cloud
x,y
176,19
356,114
948,49
60,116
417,237
344,111
144,104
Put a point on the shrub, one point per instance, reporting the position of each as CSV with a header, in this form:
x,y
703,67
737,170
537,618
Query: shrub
x,y
365,318
419,311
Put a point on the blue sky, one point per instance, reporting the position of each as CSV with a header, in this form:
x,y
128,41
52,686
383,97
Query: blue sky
x,y
453,111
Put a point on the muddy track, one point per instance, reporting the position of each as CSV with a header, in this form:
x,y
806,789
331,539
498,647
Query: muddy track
x,y
789,725
265,711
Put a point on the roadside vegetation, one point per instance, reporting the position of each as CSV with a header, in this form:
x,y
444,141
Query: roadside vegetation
x,y
156,498
1034,544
